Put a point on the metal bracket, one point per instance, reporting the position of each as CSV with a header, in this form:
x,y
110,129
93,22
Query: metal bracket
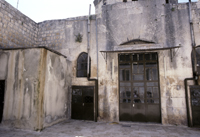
x,y
104,54
173,53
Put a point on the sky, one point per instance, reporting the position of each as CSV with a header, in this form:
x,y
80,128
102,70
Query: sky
x,y
40,10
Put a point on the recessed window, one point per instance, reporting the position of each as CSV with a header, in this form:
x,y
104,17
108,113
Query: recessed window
x,y
82,65
124,0
167,1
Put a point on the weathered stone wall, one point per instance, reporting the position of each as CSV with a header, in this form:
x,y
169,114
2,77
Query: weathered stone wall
x,y
57,97
116,1
16,29
98,6
61,36
196,21
22,87
51,34
37,88
153,21
166,25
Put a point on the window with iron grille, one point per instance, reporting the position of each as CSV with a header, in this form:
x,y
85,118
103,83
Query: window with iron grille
x,y
82,65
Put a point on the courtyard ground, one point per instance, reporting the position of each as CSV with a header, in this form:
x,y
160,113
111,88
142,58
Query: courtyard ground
x,y
78,128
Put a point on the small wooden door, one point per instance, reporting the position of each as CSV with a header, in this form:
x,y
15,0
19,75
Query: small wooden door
x,y
83,102
2,88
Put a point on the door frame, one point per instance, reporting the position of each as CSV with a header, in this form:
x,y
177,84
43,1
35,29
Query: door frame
x,y
94,98
131,53
3,97
192,108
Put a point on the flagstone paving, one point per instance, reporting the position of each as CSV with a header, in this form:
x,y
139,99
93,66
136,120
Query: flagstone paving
x,y
76,128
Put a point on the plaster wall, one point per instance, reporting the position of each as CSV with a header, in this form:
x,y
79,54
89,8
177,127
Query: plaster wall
x,y
196,21
22,88
29,76
57,97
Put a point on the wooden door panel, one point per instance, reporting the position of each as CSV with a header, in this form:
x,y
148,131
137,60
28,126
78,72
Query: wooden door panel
x,y
77,111
138,114
125,112
153,113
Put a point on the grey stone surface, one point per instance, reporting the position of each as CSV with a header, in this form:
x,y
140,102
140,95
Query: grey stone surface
x,y
73,128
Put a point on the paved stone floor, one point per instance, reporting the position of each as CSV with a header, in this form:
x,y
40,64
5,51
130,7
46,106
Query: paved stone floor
x,y
75,128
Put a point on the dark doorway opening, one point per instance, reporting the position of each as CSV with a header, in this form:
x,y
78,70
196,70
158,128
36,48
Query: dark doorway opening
x,y
2,88
139,88
83,102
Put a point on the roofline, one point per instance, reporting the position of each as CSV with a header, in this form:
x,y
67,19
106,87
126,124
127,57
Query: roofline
x,y
149,49
22,48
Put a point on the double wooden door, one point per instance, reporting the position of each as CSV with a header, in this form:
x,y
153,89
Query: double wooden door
x,y
83,102
139,88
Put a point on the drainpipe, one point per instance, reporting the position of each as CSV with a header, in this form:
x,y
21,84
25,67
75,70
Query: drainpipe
x,y
97,49
88,68
88,42
193,42
190,123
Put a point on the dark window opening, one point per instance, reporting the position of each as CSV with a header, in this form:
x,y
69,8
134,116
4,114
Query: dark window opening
x,y
124,0
125,58
125,75
104,2
82,65
167,1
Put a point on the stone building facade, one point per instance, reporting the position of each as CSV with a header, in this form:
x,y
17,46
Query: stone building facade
x,y
140,54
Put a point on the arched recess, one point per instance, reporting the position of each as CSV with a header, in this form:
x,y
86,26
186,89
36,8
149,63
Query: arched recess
x,y
81,70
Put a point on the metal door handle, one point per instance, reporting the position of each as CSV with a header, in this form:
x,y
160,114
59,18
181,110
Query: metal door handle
x,y
83,104
133,105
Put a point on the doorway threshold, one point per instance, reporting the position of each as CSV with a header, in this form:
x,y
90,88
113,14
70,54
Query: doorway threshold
x,y
130,123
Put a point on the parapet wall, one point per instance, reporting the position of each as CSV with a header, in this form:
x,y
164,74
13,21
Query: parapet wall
x,y
16,29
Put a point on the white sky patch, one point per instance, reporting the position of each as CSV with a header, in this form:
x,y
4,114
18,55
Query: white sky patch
x,y
186,1
40,10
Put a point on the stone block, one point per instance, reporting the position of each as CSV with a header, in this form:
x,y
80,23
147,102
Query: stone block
x,y
1,14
